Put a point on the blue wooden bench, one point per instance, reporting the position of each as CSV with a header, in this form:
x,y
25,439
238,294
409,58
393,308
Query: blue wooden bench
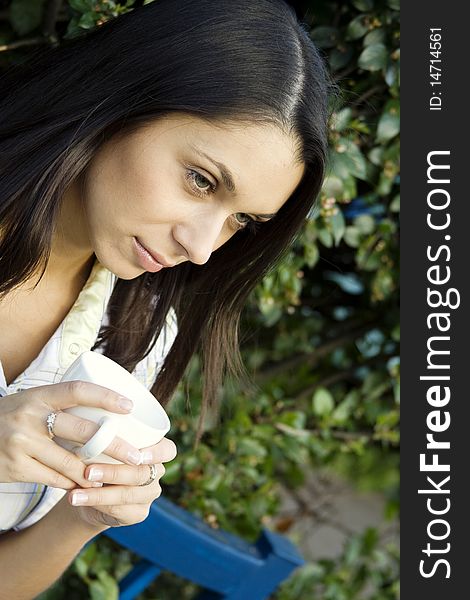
x,y
224,565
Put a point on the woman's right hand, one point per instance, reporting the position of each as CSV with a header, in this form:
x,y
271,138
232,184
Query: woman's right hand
x,y
27,454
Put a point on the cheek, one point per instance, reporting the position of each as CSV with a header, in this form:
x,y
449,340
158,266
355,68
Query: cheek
x,y
154,195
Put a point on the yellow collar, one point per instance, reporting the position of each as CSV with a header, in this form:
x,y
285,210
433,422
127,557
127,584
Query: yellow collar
x,y
83,322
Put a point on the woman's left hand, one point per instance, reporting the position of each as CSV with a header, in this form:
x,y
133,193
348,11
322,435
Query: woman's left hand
x,y
122,500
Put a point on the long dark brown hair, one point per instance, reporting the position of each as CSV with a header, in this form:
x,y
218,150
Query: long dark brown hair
x,y
223,61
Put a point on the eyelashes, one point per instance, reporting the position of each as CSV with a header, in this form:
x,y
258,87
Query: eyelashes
x,y
192,176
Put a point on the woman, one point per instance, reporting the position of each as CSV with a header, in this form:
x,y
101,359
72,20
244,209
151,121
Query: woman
x,y
152,170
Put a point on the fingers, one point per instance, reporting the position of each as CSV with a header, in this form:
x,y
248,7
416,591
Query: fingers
x,y
104,516
76,429
116,495
121,474
164,451
62,461
31,471
115,516
25,431
60,396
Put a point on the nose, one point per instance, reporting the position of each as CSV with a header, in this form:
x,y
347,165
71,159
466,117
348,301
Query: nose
x,y
199,234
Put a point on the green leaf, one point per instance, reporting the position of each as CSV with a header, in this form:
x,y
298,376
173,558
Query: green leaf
x,y
341,119
311,254
391,75
388,419
383,284
73,30
295,476
347,159
376,156
365,258
373,57
172,472
25,15
87,20
340,56
395,204
104,588
212,481
363,5
370,539
322,402
353,550
294,418
357,28
338,226
333,186
360,125
389,123
325,237
81,6
349,188
325,37
384,185
343,411
376,36
365,224
396,391
81,566
83,561
395,335
250,447
352,236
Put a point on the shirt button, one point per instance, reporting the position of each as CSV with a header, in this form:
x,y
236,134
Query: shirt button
x,y
74,348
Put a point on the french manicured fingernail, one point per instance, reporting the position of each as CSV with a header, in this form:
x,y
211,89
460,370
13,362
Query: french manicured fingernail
x,y
134,457
147,457
79,498
125,403
95,474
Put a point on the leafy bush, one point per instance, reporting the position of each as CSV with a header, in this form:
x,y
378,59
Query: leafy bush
x,y
321,333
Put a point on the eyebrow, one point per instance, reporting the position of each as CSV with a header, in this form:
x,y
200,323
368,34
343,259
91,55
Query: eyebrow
x,y
227,177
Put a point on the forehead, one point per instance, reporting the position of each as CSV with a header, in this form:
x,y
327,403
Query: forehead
x,y
260,157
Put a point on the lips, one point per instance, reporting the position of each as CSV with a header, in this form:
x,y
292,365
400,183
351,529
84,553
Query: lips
x,y
157,257
150,259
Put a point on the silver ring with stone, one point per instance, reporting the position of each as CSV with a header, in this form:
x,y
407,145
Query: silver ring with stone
x,y
50,420
153,475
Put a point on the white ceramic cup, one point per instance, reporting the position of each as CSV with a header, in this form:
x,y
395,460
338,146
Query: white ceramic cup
x,y
145,426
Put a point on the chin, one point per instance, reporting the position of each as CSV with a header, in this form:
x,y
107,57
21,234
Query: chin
x,y
126,272
120,268
127,276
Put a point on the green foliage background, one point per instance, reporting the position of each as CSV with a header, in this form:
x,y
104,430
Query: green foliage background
x,y
321,333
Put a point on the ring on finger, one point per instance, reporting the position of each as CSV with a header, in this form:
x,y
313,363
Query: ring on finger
x,y
153,475
50,421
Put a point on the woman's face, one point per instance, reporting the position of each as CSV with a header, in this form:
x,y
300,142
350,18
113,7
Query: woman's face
x,y
181,188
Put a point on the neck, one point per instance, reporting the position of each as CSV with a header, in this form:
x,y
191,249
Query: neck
x,y
72,255
71,259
